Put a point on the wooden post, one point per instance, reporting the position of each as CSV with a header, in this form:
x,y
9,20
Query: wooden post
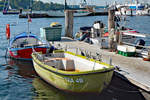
x,y
120,38
69,23
111,26
111,23
131,12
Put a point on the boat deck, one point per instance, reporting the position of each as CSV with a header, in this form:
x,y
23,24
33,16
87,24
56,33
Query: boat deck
x,y
133,69
72,63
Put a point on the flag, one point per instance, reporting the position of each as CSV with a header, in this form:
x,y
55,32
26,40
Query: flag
x,y
29,19
8,31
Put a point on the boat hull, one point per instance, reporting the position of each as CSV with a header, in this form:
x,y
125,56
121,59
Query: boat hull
x,y
90,82
12,13
25,53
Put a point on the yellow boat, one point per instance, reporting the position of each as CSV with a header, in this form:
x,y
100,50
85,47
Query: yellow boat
x,y
74,73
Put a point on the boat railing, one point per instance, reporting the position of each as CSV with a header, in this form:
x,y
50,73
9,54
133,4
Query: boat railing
x,y
80,51
141,35
131,44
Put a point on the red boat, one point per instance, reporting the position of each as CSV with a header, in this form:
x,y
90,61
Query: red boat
x,y
21,46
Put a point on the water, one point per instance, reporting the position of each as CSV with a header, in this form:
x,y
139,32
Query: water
x,y
18,80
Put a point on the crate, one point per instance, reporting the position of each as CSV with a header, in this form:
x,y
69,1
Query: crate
x,y
126,50
127,54
51,33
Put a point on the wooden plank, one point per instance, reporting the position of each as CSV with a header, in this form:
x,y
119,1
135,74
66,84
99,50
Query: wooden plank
x,y
133,81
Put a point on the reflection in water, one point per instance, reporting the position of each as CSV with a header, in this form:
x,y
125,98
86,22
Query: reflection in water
x,y
24,68
46,91
16,80
123,91
25,84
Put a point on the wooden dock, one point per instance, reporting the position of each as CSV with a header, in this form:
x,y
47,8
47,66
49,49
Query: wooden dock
x,y
133,69
45,15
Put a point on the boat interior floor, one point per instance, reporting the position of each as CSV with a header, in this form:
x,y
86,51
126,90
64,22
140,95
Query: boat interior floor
x,y
68,62
24,42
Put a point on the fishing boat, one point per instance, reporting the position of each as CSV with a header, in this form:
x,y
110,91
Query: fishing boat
x,y
8,10
73,73
20,47
82,10
130,9
61,13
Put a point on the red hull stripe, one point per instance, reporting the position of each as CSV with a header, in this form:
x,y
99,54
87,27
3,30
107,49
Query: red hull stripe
x,y
26,53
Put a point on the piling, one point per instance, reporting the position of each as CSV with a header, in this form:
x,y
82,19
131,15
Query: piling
x,y
131,12
69,23
111,22
111,27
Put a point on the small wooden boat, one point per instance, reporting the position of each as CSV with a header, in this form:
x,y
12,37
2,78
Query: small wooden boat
x,y
74,73
20,47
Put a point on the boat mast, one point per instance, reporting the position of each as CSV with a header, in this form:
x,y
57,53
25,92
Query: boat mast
x,y
65,7
30,5
8,5
136,1
83,4
5,8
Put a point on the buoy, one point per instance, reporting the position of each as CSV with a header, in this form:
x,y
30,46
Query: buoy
x,y
54,24
146,59
8,31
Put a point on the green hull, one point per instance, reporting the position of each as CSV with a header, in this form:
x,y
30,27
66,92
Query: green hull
x,y
81,82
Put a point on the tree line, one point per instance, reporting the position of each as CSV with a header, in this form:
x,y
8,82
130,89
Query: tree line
x,y
35,5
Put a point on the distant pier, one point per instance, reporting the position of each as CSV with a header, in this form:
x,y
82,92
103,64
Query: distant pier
x,y
45,15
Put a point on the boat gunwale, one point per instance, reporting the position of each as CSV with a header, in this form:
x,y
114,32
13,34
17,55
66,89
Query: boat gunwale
x,y
72,73
27,47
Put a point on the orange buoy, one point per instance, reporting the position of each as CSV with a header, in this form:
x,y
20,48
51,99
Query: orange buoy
x,y
146,59
8,31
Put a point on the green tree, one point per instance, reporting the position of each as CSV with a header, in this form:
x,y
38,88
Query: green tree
x,y
36,5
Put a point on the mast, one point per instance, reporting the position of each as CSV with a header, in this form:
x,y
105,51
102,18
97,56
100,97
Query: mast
x,y
136,1
65,7
83,4
4,5
30,5
8,5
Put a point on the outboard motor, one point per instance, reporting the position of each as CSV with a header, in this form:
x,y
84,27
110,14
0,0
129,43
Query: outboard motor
x,y
52,48
139,43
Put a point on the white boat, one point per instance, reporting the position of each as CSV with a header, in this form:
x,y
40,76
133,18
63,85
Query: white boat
x,y
143,12
8,10
81,11
135,8
126,11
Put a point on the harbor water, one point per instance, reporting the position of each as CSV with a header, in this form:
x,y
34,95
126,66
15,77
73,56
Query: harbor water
x,y
19,81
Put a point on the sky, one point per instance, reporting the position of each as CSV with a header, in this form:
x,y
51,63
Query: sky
x,y
95,2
